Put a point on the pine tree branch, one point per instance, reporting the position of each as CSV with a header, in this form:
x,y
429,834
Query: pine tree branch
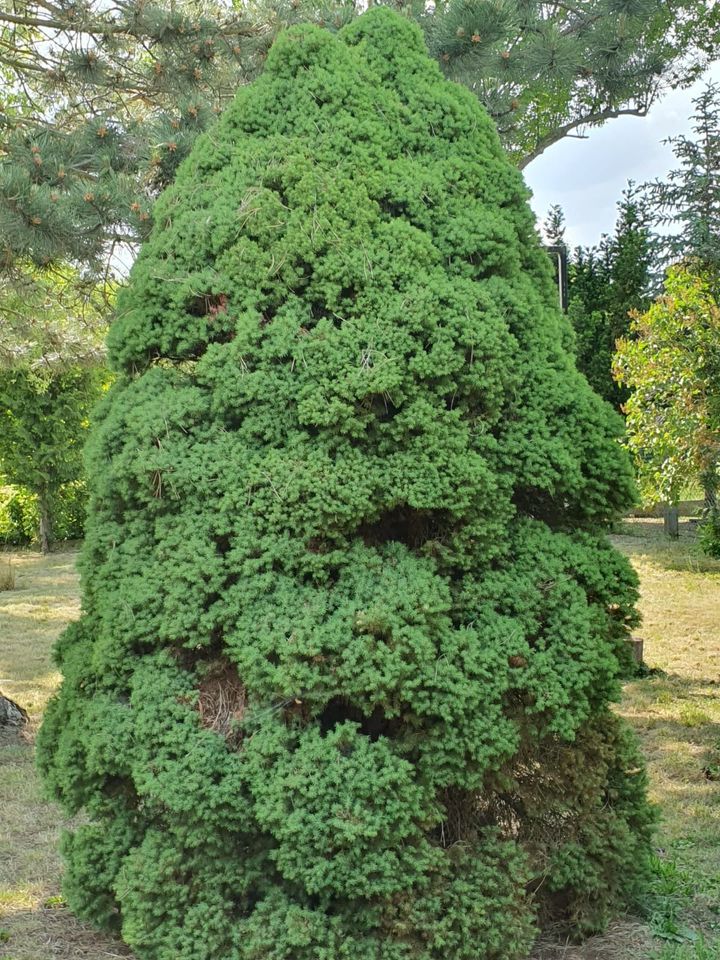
x,y
577,26
24,66
569,8
599,116
52,8
104,27
26,21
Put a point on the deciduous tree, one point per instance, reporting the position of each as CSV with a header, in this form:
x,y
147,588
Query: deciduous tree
x,y
43,420
52,316
52,329
671,362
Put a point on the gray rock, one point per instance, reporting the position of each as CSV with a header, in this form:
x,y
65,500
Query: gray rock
x,y
11,713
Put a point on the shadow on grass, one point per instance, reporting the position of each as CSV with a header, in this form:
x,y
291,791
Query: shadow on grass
x,y
52,931
626,938
676,685
645,540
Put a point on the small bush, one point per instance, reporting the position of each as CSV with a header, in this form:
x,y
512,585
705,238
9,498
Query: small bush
x,y
709,536
18,516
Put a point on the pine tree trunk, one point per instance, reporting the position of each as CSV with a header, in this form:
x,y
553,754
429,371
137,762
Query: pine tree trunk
x,y
45,529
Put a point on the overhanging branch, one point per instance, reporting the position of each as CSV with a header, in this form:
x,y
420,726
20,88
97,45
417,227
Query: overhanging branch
x,y
589,119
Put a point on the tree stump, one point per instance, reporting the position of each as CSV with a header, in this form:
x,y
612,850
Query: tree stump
x,y
671,521
636,647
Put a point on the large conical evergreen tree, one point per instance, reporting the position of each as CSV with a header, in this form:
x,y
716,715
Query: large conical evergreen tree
x,y
350,624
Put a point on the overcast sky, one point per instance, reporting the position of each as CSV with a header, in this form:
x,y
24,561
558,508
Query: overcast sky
x,y
587,177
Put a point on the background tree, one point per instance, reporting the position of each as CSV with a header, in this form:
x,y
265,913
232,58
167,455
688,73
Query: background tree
x,y
52,328
104,102
687,202
607,283
672,364
351,622
554,226
588,271
52,315
687,205
43,420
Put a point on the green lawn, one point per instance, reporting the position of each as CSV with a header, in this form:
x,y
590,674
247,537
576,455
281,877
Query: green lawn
x,y
676,712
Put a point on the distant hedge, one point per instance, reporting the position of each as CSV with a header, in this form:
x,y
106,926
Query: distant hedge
x,y
19,518
351,623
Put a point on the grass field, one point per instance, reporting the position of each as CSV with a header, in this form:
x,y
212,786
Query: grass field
x,y
676,712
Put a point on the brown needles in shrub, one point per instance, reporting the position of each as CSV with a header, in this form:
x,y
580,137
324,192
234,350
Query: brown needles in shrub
x,y
222,702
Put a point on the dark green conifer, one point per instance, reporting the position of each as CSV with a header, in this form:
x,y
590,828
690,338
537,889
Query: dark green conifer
x,y
687,203
608,283
351,624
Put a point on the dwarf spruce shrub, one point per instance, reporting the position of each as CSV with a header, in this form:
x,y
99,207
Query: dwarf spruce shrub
x,y
350,622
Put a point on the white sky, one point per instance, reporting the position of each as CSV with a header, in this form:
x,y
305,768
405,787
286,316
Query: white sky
x,y
587,177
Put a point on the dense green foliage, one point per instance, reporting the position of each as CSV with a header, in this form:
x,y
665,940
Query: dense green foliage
x,y
688,203
44,415
52,318
20,513
102,103
350,622
672,363
52,327
607,283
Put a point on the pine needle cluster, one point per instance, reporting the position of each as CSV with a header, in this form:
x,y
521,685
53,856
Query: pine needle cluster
x,y
103,104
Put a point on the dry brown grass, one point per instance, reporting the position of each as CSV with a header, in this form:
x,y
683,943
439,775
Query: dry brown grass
x,y
33,921
677,715
624,939
7,574
677,712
